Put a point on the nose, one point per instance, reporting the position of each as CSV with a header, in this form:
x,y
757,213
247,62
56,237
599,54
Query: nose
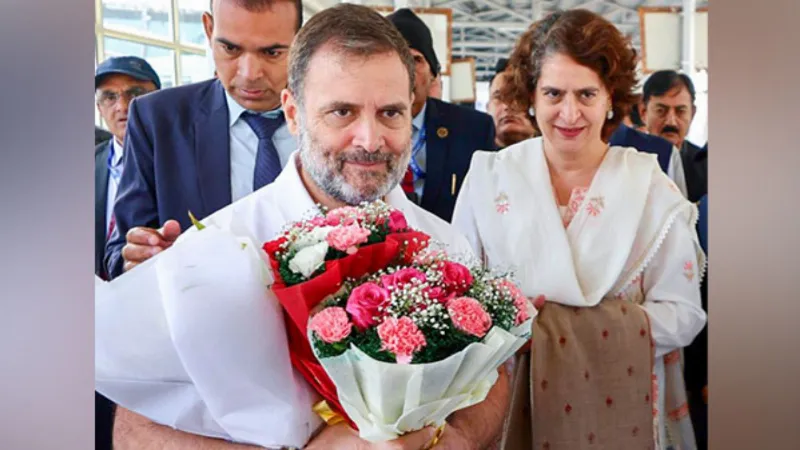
x,y
122,104
570,112
671,118
250,67
367,134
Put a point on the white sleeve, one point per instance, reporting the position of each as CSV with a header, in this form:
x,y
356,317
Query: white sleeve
x,y
464,219
672,291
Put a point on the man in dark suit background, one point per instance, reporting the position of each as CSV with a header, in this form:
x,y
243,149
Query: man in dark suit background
x,y
117,81
199,147
511,124
101,135
668,108
445,135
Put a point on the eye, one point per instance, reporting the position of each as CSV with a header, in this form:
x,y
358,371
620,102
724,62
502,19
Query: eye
x,y
552,93
341,113
229,48
274,52
392,114
588,94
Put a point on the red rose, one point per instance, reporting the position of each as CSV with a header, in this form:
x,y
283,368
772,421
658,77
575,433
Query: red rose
x,y
397,221
456,277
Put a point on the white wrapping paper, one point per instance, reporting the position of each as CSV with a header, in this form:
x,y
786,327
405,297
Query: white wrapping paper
x,y
193,339
387,400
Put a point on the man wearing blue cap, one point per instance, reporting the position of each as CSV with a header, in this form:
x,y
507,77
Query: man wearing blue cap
x,y
117,81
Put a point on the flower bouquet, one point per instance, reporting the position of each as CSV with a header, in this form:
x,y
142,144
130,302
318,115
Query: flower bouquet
x,y
393,334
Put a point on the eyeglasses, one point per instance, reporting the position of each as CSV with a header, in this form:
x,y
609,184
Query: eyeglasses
x,y
110,98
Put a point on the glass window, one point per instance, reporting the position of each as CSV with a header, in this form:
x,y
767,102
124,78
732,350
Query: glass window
x,y
151,18
190,14
194,68
162,59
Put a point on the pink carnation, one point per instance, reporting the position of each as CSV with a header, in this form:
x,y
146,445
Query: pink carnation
x,y
469,316
456,277
401,337
331,324
346,215
364,304
317,222
520,301
402,277
397,221
346,239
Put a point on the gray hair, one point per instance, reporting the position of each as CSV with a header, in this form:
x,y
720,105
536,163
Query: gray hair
x,y
352,30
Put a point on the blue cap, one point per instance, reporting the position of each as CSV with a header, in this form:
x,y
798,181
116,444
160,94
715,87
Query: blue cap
x,y
127,65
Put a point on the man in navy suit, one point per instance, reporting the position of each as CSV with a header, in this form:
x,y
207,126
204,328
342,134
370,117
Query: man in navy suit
x,y
117,82
197,148
444,135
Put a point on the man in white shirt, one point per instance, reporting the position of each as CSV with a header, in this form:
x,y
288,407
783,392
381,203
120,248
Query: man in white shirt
x,y
354,139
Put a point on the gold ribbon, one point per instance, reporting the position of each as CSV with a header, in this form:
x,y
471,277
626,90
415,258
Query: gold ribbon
x,y
326,413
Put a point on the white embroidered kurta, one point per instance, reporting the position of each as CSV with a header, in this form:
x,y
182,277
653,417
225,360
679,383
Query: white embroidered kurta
x,y
632,236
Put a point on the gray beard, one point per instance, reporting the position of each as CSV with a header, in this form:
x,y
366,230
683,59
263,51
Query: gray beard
x,y
330,180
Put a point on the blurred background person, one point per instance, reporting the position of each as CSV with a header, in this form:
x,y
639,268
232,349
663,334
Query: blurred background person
x,y
512,124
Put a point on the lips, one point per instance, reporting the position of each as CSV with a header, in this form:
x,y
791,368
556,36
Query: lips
x,y
570,133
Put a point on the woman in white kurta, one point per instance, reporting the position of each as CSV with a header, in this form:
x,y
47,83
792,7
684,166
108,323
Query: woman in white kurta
x,y
604,235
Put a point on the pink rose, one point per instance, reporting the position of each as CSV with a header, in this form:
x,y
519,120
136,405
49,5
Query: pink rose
x,y
331,324
456,277
364,303
346,239
402,277
401,337
469,316
397,221
317,222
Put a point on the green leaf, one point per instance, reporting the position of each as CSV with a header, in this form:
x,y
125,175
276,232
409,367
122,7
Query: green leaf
x,y
196,222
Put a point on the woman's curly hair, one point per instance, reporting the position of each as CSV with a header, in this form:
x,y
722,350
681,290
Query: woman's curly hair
x,y
591,41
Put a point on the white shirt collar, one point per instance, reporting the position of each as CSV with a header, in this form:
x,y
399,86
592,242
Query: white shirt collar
x,y
235,110
419,119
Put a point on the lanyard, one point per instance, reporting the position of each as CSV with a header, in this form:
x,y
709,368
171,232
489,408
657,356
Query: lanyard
x,y
415,168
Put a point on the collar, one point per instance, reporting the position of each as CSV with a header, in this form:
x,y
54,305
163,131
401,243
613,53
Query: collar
x,y
116,150
235,110
419,119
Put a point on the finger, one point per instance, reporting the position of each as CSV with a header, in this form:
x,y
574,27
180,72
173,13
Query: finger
x,y
419,439
171,230
139,253
538,302
144,236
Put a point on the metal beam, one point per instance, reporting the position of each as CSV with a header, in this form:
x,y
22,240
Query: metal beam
x,y
492,25
472,44
506,10
688,62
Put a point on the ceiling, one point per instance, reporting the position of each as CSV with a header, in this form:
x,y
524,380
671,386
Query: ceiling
x,y
487,29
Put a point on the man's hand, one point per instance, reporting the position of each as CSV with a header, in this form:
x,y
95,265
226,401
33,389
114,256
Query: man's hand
x,y
144,243
341,436
454,439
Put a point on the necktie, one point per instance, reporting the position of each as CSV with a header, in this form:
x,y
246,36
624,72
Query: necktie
x,y
268,164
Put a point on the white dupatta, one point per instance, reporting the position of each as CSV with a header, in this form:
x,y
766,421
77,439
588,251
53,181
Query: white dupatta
x,y
508,211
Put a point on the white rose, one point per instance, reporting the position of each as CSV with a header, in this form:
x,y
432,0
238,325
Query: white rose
x,y
313,237
309,259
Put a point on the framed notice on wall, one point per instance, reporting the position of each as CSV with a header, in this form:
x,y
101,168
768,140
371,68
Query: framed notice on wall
x,y
661,31
440,22
462,80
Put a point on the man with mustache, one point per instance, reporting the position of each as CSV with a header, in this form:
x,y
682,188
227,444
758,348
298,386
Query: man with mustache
x,y
668,109
354,144
511,124
199,147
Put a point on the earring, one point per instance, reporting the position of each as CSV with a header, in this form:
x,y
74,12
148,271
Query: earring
x,y
531,111
610,114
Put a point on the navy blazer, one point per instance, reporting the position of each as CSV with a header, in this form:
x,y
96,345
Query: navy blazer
x,y
453,134
100,200
625,136
176,159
